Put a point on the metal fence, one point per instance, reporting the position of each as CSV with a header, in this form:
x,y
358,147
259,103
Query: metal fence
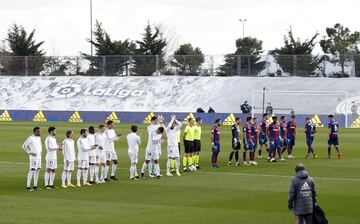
x,y
196,65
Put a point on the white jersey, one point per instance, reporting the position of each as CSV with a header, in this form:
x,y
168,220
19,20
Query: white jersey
x,y
150,129
172,133
133,141
110,138
156,140
91,138
83,148
100,141
69,150
33,145
51,148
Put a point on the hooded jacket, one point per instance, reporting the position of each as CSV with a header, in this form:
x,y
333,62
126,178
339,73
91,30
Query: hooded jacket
x,y
302,194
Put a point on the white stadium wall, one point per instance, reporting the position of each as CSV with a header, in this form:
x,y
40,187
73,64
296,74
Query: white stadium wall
x,y
173,93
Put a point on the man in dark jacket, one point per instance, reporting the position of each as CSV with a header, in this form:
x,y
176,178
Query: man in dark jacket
x,y
302,195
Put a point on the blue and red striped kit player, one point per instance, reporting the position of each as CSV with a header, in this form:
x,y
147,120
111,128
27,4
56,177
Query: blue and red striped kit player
x,y
255,133
310,131
248,142
215,141
273,132
291,135
283,137
262,135
333,136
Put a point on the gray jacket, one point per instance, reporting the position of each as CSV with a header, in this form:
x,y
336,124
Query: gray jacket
x,y
302,194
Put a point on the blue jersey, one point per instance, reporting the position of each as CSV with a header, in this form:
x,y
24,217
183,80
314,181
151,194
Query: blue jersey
x,y
273,131
309,130
334,128
291,129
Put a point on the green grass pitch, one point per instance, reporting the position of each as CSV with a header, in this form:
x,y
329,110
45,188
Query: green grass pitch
x,y
225,195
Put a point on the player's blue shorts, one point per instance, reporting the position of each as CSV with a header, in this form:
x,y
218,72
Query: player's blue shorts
x,y
291,140
255,144
284,142
248,145
333,140
262,139
309,141
216,147
274,144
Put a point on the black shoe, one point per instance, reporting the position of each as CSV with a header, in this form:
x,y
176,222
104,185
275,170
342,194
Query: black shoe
x,y
52,187
186,170
137,177
28,189
198,167
36,189
113,178
92,182
48,187
106,179
158,177
142,175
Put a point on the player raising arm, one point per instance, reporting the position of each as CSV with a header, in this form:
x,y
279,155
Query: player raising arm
x,y
33,147
172,145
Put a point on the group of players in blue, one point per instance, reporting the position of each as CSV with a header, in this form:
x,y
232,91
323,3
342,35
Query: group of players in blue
x,y
277,138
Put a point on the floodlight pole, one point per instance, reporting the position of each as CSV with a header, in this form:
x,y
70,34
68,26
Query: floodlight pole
x,y
91,26
243,25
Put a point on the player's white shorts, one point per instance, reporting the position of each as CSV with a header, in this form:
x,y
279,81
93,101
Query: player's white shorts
x,y
152,155
51,164
110,155
35,163
173,151
69,165
100,158
92,159
133,157
83,163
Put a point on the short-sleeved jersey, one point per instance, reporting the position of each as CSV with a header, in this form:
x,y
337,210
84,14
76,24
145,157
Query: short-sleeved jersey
x,y
291,129
189,133
334,128
309,129
197,132
215,133
247,131
263,127
273,131
235,132
255,131
283,130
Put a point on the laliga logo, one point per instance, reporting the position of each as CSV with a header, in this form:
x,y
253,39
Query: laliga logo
x,y
70,90
67,90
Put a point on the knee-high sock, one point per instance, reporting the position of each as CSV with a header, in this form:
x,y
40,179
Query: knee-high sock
x,y
237,156
63,178
177,164
92,172
131,171
143,167
113,169
260,151
78,176
69,177
46,177
252,156
103,172
36,177
197,159
150,167
106,171
329,151
279,153
173,164
231,156
168,163
185,160
29,177
85,176
338,149
216,157
96,173
52,178
244,156
157,169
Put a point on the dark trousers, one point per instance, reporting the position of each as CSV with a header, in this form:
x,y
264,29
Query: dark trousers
x,y
301,219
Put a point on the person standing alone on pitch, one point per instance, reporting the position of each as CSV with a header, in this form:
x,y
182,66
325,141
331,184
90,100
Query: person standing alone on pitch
x,y
302,195
215,142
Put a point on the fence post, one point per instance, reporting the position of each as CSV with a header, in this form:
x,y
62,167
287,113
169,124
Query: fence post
x,y
249,65
104,65
294,65
212,66
238,65
26,63
157,64
324,66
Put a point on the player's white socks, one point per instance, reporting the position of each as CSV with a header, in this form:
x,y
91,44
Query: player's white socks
x,y
69,177
143,167
113,169
96,171
36,177
157,169
29,177
63,178
52,178
103,173
78,176
85,176
106,171
46,177
150,167
177,164
168,164
92,172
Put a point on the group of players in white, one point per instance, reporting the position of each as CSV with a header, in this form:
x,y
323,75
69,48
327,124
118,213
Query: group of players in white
x,y
96,153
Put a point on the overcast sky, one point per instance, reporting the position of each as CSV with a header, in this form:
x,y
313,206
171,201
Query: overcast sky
x,y
212,25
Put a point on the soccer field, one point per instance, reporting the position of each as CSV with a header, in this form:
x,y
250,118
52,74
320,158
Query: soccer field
x,y
251,194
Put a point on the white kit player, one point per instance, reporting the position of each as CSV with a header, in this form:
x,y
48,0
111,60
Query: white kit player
x,y
92,154
172,145
110,153
51,158
84,148
134,142
69,159
100,154
33,147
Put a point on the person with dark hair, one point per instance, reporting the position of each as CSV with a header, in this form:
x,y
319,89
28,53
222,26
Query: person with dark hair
x,y
197,142
245,108
310,131
100,139
69,159
283,137
235,141
33,147
248,143
215,142
333,136
134,142
274,140
291,135
172,145
262,135
156,139
92,154
111,156
189,145
211,110
255,137
302,195
84,148
51,158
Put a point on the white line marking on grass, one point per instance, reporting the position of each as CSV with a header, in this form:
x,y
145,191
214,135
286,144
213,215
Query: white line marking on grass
x,y
223,173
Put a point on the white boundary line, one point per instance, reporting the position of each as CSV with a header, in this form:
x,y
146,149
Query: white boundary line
x,y
226,173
